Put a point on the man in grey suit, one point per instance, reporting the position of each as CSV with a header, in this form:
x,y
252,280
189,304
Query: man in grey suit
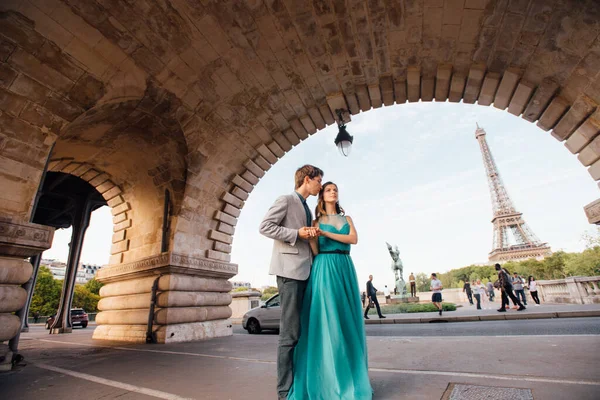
x,y
289,223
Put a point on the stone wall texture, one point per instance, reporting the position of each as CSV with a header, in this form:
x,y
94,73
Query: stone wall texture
x,y
203,97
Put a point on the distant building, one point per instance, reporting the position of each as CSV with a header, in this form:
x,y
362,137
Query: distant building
x,y
241,284
85,272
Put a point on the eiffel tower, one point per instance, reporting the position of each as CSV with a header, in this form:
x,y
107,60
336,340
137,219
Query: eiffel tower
x,y
508,222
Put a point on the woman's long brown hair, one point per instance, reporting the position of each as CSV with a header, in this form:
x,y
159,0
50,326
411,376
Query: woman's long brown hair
x,y
320,208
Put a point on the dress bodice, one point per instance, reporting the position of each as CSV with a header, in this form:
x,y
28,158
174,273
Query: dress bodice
x,y
335,224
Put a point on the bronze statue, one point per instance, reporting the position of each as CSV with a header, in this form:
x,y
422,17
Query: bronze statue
x,y
397,267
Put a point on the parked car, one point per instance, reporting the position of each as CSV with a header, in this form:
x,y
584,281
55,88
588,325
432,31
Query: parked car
x,y
78,318
266,316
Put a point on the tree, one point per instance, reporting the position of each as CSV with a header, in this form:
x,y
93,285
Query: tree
x,y
93,286
269,292
83,298
422,281
46,294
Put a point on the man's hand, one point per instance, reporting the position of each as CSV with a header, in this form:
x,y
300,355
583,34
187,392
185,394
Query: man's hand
x,y
308,232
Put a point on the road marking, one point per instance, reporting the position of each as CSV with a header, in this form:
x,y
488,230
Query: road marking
x,y
108,382
489,376
387,370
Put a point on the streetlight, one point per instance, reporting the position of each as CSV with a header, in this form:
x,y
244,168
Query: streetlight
x,y
343,141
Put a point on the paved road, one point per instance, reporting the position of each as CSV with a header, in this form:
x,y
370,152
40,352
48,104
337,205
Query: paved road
x,y
561,326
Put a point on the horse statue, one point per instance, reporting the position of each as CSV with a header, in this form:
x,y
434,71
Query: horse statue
x,y
398,268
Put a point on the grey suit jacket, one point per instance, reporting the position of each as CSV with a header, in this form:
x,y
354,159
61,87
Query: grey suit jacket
x,y
292,257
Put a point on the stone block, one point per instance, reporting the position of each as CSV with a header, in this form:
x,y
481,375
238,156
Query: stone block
x,y
187,283
115,259
194,331
7,75
590,153
413,84
316,117
173,298
442,82
291,137
282,141
326,114
592,212
119,218
111,193
540,100
474,81
115,201
9,326
217,255
11,103
221,237
126,302
308,124
105,186
254,168
27,87
387,90
239,193
242,183
427,87
520,98
509,82
579,111
264,151
231,199
14,271
276,149
594,170
584,134
118,236
457,87
553,113
375,96
176,315
42,73
231,210
298,129
123,225
400,91
12,298
226,228
488,89
119,247
120,209
98,180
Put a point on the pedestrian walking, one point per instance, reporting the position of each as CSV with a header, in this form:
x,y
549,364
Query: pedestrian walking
x,y
505,285
467,290
533,290
479,293
363,297
490,290
436,287
372,295
517,282
386,293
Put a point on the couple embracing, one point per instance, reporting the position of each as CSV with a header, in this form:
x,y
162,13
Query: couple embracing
x,y
322,352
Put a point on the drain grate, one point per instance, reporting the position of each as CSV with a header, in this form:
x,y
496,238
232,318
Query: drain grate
x,y
461,391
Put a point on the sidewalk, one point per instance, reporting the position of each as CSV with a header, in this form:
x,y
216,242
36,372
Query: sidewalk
x,y
467,313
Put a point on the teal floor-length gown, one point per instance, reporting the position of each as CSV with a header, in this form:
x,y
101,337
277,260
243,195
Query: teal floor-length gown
x,y
330,359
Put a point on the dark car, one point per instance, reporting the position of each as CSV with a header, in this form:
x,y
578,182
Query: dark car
x,y
78,318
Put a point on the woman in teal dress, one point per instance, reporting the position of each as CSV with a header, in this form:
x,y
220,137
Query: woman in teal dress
x,y
330,359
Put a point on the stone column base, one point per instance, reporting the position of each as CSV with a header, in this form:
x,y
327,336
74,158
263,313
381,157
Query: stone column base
x,y
166,333
192,300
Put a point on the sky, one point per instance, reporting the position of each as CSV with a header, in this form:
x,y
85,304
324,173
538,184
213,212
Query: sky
x,y
415,178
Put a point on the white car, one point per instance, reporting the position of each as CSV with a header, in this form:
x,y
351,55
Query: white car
x,y
266,316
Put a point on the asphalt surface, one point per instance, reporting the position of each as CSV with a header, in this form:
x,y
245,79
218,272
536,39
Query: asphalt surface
x,y
556,326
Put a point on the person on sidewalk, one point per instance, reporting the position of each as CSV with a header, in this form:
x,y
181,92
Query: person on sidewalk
x,y
386,293
490,291
533,290
436,288
289,223
517,282
372,295
363,297
467,290
413,285
505,285
479,293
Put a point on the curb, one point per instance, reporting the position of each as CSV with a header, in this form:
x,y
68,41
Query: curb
x,y
491,317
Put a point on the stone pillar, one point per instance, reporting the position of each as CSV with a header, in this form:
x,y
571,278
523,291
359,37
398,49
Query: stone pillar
x,y
242,302
192,299
18,241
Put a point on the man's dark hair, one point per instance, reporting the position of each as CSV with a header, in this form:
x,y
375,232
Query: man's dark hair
x,y
306,170
498,267
434,275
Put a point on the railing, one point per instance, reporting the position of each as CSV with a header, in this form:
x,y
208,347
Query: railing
x,y
574,290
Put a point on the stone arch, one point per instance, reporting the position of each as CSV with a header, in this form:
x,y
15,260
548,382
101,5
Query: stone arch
x,y
577,123
111,192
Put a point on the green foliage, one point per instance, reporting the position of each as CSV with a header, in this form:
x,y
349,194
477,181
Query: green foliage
x,y
422,281
83,298
93,286
412,308
269,292
46,295
240,289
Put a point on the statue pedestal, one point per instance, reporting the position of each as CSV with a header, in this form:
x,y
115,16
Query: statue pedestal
x,y
399,299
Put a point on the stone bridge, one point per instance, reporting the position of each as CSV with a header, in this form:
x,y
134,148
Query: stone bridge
x,y
171,111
